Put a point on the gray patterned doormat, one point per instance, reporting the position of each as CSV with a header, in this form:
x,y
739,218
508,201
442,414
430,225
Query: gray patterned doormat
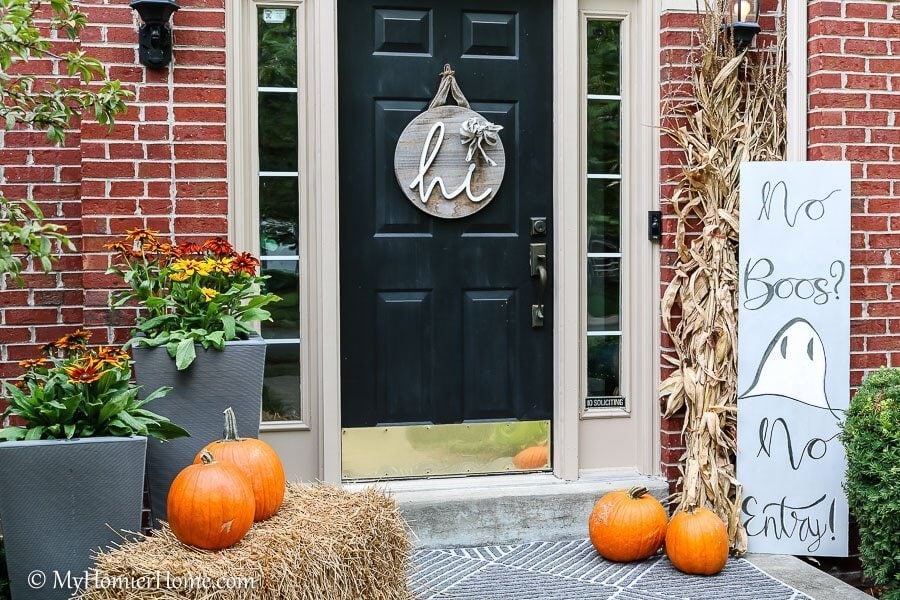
x,y
574,571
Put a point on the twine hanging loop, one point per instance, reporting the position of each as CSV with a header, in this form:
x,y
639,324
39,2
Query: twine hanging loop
x,y
448,85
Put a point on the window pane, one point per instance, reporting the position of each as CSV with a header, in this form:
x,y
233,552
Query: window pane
x,y
279,211
603,294
603,366
278,148
603,215
277,47
281,383
603,57
603,137
284,280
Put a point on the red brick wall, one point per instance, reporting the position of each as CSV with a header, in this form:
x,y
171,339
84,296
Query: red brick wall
x,y
31,167
854,100
163,167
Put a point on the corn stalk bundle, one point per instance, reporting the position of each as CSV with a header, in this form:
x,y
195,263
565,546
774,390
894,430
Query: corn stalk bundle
x,y
737,114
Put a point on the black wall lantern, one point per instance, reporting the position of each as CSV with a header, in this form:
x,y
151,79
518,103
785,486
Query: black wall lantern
x,y
155,36
741,22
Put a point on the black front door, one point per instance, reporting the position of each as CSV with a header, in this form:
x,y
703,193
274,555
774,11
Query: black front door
x,y
436,314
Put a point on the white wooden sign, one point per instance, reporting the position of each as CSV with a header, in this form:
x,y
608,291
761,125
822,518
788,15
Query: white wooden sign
x,y
794,355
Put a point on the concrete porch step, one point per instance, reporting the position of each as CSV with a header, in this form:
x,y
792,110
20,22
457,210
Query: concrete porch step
x,y
506,509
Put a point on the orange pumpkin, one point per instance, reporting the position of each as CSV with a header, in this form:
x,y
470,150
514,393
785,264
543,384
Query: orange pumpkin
x,y
697,542
628,525
210,505
535,457
257,461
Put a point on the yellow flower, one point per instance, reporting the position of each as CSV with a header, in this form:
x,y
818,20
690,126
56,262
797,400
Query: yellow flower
x,y
223,265
206,267
186,267
209,293
179,276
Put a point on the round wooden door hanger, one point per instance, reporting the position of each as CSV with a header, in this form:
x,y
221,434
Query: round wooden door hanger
x,y
449,160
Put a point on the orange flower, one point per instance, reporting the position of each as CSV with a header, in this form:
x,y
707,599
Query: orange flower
x,y
76,339
118,247
141,235
245,263
32,362
218,246
47,349
113,356
85,370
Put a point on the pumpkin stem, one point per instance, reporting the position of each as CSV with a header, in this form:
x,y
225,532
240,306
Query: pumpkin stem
x,y
206,458
231,432
637,492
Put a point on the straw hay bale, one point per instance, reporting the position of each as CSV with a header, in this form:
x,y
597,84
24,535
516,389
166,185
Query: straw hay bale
x,y
324,543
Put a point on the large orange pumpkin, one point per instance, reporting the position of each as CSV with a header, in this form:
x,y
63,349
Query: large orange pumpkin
x,y
257,461
210,505
697,542
535,457
628,525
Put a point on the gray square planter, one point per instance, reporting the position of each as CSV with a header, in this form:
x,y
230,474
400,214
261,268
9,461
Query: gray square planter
x,y
61,499
200,394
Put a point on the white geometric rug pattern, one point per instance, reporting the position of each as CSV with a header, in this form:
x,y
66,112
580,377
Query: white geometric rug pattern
x,y
574,571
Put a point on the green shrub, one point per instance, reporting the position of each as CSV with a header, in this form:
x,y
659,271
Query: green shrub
x,y
872,440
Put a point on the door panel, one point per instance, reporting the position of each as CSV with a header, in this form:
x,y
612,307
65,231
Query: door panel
x,y
436,323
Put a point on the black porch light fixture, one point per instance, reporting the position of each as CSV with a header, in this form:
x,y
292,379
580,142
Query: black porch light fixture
x,y
741,22
155,35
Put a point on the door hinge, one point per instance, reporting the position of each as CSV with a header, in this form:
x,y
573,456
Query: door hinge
x,y
654,225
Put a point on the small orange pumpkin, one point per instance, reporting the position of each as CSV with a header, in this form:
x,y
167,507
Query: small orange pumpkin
x,y
210,505
535,457
697,542
628,525
257,461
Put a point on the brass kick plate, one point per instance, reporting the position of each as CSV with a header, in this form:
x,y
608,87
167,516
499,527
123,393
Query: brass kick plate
x,y
408,451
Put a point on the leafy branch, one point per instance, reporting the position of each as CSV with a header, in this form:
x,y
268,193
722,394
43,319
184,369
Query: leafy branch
x,y
50,106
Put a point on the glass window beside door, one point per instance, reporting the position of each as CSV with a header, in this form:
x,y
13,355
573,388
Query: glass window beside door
x,y
603,214
278,181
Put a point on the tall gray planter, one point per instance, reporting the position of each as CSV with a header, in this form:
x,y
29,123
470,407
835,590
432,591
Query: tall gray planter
x,y
62,499
200,394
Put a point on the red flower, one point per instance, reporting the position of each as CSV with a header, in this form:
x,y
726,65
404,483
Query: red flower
x,y
245,263
218,246
188,249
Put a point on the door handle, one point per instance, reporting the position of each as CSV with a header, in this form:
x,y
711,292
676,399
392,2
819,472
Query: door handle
x,y
538,263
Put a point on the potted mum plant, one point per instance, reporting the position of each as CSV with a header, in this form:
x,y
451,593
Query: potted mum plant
x,y
197,306
73,475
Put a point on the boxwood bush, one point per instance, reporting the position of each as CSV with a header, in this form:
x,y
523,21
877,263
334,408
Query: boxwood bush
x,y
872,440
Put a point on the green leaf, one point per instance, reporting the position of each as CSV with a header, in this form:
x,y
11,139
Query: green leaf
x,y
12,434
228,326
185,354
35,433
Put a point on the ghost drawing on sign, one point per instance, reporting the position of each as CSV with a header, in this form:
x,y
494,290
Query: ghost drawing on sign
x,y
793,366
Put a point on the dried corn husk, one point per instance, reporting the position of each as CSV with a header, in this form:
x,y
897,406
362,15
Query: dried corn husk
x,y
738,115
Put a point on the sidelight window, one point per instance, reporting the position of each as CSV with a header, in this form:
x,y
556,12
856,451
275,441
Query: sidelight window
x,y
603,214
278,183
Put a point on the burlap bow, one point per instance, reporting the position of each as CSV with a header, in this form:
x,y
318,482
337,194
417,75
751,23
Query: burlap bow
x,y
477,131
